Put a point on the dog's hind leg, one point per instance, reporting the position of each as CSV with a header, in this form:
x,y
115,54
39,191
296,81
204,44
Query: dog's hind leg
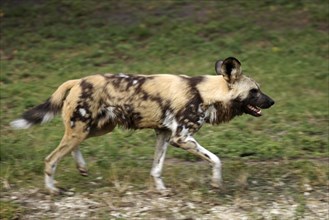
x,y
80,161
70,141
191,145
163,137
76,153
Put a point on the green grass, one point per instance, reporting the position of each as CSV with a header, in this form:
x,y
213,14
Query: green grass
x,y
283,45
10,211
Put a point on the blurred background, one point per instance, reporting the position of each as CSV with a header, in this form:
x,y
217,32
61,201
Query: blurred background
x,y
281,44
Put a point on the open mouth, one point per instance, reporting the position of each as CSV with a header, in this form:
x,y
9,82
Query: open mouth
x,y
254,110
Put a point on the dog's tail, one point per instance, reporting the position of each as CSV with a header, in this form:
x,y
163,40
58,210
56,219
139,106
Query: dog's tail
x,y
46,111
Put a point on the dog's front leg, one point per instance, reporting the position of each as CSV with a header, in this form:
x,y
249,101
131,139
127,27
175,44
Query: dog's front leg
x,y
159,156
190,144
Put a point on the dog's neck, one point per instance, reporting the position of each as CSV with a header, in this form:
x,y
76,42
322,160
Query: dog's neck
x,y
214,89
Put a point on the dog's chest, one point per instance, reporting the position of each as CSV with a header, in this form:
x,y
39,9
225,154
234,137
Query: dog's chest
x,y
185,121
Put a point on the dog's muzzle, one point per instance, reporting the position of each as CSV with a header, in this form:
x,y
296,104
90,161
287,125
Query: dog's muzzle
x,y
255,109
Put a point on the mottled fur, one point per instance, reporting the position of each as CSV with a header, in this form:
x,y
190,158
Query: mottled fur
x,y
175,106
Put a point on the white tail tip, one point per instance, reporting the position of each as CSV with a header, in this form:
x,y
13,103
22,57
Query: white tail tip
x,y
20,124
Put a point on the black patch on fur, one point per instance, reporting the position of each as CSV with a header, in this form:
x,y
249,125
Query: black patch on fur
x,y
136,82
87,90
229,67
182,143
189,117
118,80
194,81
126,116
145,95
130,119
177,143
226,112
102,114
84,103
164,104
206,155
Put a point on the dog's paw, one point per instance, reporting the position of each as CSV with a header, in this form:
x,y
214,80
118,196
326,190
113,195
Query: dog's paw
x,y
217,184
59,191
83,171
165,192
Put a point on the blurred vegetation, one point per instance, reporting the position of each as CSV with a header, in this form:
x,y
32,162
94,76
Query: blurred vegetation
x,y
281,44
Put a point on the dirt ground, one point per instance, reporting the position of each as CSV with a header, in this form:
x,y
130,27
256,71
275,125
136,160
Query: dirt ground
x,y
133,204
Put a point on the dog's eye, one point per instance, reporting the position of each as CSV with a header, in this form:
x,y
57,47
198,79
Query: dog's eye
x,y
253,91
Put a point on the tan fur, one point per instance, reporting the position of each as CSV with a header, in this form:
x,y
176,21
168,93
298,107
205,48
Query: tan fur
x,y
214,89
243,86
60,94
173,89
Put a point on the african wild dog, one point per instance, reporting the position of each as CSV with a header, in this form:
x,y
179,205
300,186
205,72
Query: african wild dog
x,y
175,106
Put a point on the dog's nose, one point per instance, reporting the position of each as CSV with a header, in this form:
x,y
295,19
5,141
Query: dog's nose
x,y
272,102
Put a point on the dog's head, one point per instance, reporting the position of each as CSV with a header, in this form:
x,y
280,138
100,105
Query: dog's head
x,y
246,93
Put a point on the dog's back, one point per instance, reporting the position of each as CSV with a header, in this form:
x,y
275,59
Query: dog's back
x,y
132,101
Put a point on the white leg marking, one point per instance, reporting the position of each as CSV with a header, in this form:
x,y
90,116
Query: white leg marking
x,y
49,179
80,161
68,143
191,145
216,165
159,156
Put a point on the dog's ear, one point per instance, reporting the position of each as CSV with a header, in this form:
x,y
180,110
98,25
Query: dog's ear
x,y
230,68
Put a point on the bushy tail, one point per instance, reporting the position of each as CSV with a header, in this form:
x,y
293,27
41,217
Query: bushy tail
x,y
46,111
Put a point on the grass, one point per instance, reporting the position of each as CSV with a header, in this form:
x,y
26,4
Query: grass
x,y
283,45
